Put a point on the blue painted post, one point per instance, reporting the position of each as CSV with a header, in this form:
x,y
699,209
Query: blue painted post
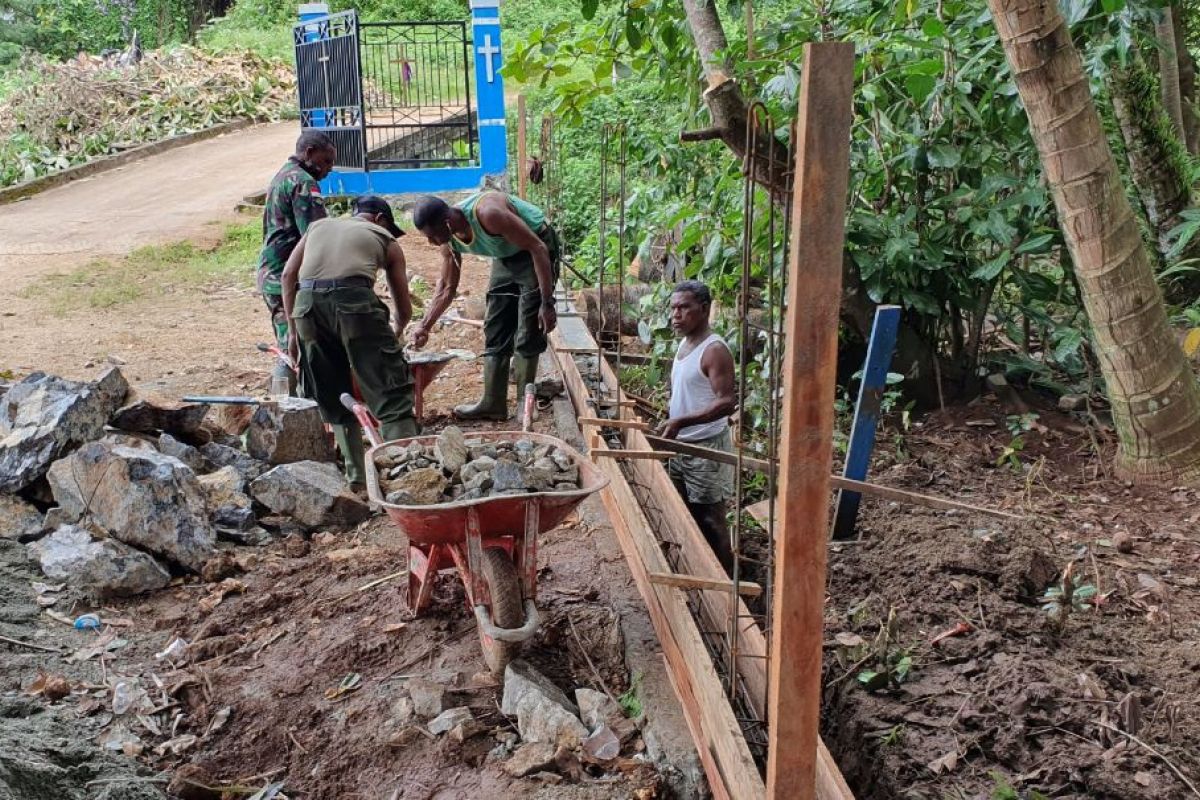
x,y
307,13
489,86
866,416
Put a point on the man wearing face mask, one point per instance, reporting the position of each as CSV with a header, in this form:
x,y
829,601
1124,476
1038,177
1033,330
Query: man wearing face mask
x,y
342,328
293,203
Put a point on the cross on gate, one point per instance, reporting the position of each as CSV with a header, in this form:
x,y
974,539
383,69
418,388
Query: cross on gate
x,y
489,51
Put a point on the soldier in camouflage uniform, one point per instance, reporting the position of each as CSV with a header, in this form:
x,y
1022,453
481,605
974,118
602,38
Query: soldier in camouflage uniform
x,y
293,203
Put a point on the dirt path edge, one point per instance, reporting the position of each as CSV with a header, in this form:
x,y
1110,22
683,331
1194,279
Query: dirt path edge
x,y
31,187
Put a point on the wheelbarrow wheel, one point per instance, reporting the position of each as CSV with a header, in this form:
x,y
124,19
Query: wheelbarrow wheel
x,y
500,575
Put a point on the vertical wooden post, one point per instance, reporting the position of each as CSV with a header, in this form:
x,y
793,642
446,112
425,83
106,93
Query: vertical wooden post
x,y
522,168
822,172
750,30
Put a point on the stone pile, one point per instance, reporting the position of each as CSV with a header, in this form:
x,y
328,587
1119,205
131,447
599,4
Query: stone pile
x,y
115,491
456,469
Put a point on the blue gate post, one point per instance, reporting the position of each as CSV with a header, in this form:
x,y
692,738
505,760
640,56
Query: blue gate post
x,y
493,142
866,416
307,13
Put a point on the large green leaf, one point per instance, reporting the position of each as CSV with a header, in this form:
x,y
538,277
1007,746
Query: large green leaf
x,y
920,87
944,156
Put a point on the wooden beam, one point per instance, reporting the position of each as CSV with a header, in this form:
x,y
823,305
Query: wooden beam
x,y
673,523
653,455
595,422
814,290
522,167
744,588
836,481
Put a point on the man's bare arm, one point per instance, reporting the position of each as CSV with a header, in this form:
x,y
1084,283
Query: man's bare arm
x,y
289,281
397,281
443,295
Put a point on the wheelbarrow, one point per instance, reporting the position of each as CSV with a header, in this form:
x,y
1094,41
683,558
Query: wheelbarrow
x,y
491,541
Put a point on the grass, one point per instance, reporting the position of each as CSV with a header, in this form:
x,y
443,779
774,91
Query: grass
x,y
153,271
631,702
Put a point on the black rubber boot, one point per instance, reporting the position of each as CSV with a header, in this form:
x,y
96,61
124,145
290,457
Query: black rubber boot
x,y
494,403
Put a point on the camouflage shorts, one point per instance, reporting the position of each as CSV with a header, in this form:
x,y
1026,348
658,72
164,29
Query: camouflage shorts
x,y
705,482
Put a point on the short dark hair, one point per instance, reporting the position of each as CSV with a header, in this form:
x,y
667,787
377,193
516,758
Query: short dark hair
x,y
430,211
313,140
696,289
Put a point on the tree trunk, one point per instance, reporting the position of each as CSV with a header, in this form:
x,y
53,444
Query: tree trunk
x,y
1168,71
1154,395
1187,81
726,104
1157,164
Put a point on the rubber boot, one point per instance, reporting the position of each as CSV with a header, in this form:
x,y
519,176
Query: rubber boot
x,y
525,370
494,403
350,442
401,429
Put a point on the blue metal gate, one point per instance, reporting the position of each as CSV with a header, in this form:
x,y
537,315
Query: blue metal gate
x,y
329,82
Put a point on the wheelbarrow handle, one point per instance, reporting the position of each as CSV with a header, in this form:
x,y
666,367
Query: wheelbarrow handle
x,y
364,418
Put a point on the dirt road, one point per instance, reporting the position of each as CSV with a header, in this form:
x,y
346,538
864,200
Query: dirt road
x,y
168,197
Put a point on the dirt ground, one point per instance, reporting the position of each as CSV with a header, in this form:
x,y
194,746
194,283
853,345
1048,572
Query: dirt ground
x,y
1017,697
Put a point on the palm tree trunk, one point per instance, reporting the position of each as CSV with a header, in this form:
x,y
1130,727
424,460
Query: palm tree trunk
x,y
1168,71
1187,80
1157,163
1154,395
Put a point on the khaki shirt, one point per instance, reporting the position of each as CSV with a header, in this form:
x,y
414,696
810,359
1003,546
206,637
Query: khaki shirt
x,y
344,247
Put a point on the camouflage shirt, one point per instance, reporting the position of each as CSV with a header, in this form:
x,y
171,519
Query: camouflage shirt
x,y
293,202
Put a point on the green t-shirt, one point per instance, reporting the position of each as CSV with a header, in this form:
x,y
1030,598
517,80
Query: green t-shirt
x,y
485,244
344,247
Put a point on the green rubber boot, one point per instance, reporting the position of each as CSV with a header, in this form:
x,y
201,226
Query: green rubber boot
x,y
525,371
401,429
350,442
494,403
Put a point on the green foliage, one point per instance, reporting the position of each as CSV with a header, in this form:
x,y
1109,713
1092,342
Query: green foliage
x,y
631,701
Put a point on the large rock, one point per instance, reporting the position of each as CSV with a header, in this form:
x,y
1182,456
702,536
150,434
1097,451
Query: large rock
x,y
139,496
43,418
220,455
543,712
18,519
103,567
530,758
314,494
150,414
228,505
451,449
169,445
419,487
288,430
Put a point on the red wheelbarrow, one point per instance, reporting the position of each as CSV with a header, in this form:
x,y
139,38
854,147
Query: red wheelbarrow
x,y
492,541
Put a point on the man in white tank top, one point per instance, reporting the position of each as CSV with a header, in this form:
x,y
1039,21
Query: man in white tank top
x,y
702,398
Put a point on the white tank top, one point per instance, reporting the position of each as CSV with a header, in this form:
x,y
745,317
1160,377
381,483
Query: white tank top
x,y
691,391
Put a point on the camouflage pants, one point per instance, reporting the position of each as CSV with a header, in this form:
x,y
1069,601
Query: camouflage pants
x,y
704,482
272,294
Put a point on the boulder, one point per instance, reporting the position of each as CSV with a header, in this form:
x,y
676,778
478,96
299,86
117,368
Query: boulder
x,y
314,494
419,487
602,744
228,506
103,567
543,712
42,418
151,414
140,497
288,430
530,758
169,445
451,449
220,455
18,520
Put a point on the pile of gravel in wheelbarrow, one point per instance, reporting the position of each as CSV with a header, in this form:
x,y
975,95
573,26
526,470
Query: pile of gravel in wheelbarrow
x,y
455,468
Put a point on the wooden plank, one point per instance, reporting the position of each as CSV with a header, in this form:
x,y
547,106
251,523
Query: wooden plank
x,y
674,524
595,422
814,289
631,455
744,588
836,481
522,168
